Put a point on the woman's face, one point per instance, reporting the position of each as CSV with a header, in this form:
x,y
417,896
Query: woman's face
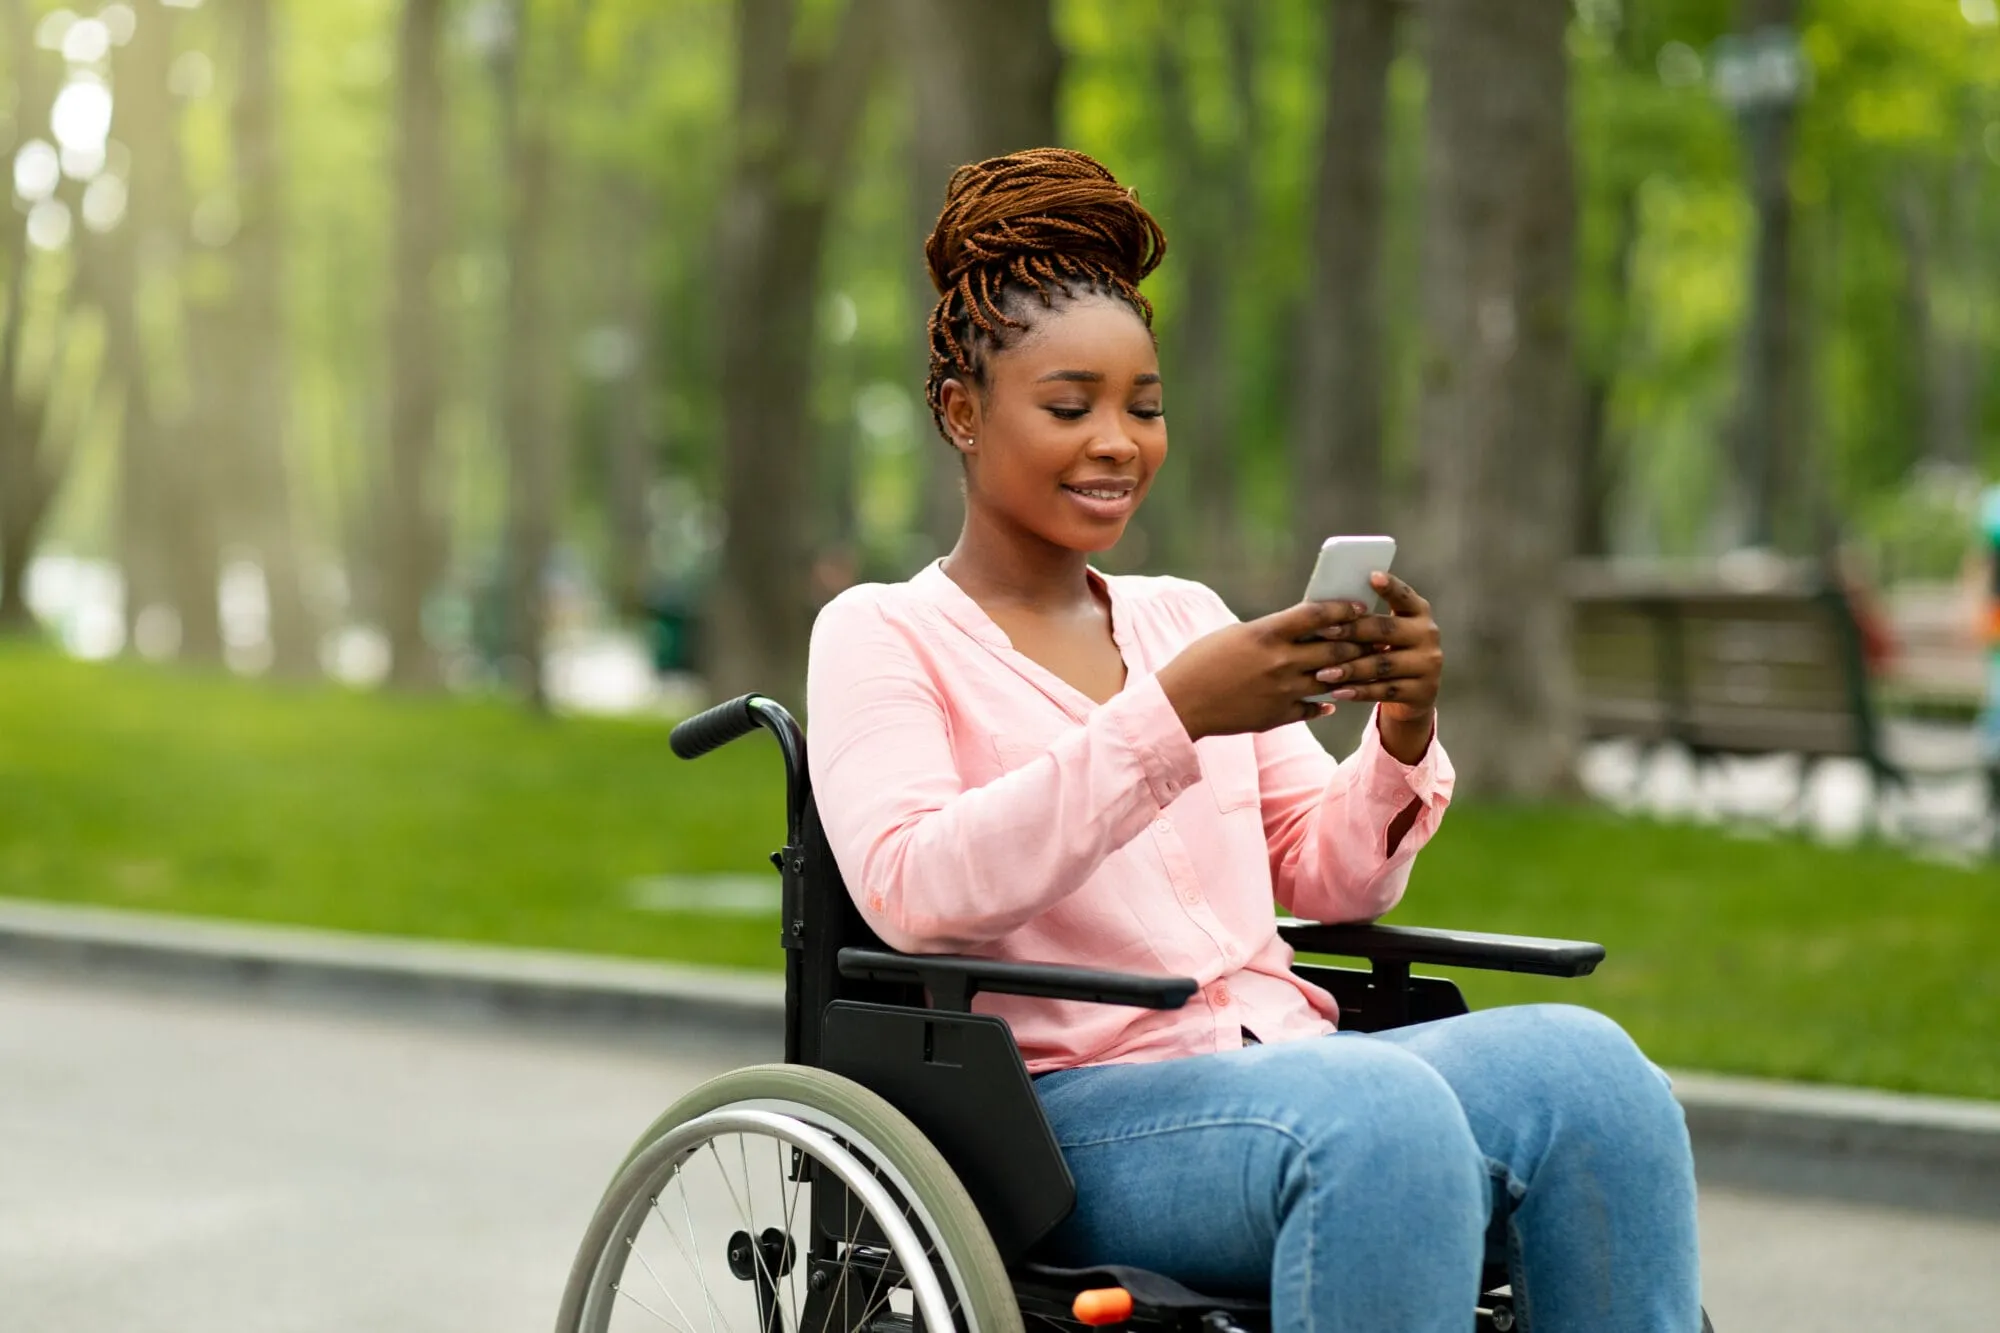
x,y
1070,430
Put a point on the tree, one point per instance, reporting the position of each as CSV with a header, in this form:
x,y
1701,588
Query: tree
x,y
261,345
26,485
1212,199
1499,393
528,426
168,475
1764,440
414,546
1337,433
796,114
983,79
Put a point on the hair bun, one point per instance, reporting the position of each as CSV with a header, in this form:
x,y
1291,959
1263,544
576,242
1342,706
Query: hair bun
x,y
1053,202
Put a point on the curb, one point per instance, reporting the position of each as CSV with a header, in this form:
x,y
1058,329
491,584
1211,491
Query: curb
x,y
424,974
1848,1143
1855,1144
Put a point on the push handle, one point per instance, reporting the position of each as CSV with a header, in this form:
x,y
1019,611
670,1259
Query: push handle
x,y
713,728
740,716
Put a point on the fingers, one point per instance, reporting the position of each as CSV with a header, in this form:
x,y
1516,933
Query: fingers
x,y
1408,665
1309,619
1419,692
1397,631
1400,596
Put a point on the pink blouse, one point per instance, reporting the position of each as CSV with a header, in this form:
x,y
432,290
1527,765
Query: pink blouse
x,y
978,804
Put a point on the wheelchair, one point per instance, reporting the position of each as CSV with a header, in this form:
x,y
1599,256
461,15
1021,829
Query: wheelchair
x,y
896,1172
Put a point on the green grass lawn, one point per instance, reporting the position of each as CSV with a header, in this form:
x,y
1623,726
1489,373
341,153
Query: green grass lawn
x,y
146,788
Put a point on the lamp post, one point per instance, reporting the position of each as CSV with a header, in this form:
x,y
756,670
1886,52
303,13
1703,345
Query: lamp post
x,y
1760,76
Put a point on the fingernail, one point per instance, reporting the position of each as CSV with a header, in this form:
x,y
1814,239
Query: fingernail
x,y
1326,710
1331,674
1343,694
1359,609
1337,632
1378,578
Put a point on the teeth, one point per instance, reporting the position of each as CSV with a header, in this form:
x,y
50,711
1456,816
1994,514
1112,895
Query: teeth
x,y
1099,495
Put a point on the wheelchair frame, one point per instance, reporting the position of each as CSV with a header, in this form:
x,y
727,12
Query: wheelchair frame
x,y
902,1026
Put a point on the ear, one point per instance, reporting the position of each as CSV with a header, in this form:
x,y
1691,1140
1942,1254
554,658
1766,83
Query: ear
x,y
961,413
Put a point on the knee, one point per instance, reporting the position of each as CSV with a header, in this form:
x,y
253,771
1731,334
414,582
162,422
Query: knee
x,y
1387,1124
1607,1080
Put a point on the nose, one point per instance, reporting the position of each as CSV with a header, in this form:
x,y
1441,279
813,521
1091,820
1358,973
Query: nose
x,y
1114,446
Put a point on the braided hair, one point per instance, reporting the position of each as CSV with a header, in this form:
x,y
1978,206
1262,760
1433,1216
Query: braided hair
x,y
1047,222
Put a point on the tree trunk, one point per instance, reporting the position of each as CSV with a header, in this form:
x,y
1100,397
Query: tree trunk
x,y
415,547
1955,380
168,546
984,78
1192,517
631,433
1765,423
795,122
528,427
1499,390
184,485
1919,341
1338,431
22,411
263,374
1597,467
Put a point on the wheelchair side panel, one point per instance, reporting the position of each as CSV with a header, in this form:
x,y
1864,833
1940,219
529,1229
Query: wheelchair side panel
x,y
960,1079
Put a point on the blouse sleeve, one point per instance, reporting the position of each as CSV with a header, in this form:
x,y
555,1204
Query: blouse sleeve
x,y
935,866
1327,824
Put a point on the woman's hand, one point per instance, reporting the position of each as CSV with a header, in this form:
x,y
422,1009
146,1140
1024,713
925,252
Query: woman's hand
x,y
1256,675
1400,668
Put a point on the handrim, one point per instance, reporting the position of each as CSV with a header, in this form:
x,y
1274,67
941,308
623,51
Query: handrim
x,y
892,1169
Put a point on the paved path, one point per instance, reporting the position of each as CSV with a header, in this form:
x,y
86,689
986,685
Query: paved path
x,y
178,1161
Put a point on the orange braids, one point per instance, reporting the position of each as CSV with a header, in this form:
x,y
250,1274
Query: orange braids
x,y
1047,221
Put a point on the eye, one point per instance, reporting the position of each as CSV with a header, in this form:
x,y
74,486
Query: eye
x,y
1149,413
1065,413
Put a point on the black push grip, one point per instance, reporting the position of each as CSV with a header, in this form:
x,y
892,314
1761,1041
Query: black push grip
x,y
714,727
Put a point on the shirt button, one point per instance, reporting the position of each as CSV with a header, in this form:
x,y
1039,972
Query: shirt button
x,y
1190,896
1163,826
1220,994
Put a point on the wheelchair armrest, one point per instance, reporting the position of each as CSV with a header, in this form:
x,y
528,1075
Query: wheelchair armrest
x,y
953,981
1445,948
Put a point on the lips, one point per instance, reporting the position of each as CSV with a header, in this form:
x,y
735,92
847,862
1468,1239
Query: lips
x,y
1104,498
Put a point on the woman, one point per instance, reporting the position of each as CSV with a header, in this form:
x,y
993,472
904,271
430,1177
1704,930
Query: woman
x,y
1017,756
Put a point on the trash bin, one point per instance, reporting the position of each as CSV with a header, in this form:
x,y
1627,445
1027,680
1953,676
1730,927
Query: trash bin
x,y
674,625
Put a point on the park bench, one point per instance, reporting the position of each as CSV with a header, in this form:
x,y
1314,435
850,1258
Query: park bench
x,y
1721,667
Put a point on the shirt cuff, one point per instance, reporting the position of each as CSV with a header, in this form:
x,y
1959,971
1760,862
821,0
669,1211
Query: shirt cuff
x,y
1383,775
1146,718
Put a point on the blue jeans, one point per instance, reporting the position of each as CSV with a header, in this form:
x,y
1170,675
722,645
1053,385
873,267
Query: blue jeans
x,y
1359,1175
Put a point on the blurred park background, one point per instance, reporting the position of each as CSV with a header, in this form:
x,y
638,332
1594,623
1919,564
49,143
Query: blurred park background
x,y
389,389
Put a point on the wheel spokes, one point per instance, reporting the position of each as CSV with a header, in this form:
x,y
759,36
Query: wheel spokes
x,y
717,1192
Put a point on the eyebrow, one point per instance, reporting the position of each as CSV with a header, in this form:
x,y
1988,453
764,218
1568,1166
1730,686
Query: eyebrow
x,y
1091,377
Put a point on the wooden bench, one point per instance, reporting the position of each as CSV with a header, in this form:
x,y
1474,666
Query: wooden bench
x,y
1719,669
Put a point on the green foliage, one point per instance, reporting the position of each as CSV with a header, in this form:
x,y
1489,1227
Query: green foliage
x,y
145,788
136,787
1901,119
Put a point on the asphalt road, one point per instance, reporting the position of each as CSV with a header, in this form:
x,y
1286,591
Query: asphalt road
x,y
181,1161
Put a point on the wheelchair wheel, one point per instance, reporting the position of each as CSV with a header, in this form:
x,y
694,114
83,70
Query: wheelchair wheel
x,y
786,1199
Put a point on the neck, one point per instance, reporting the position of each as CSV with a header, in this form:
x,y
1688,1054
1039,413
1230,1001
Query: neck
x,y
997,563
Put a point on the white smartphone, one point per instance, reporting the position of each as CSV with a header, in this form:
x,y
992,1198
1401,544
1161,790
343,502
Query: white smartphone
x,y
1341,574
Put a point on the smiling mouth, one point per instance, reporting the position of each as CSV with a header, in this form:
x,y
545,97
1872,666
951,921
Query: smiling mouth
x,y
1100,493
